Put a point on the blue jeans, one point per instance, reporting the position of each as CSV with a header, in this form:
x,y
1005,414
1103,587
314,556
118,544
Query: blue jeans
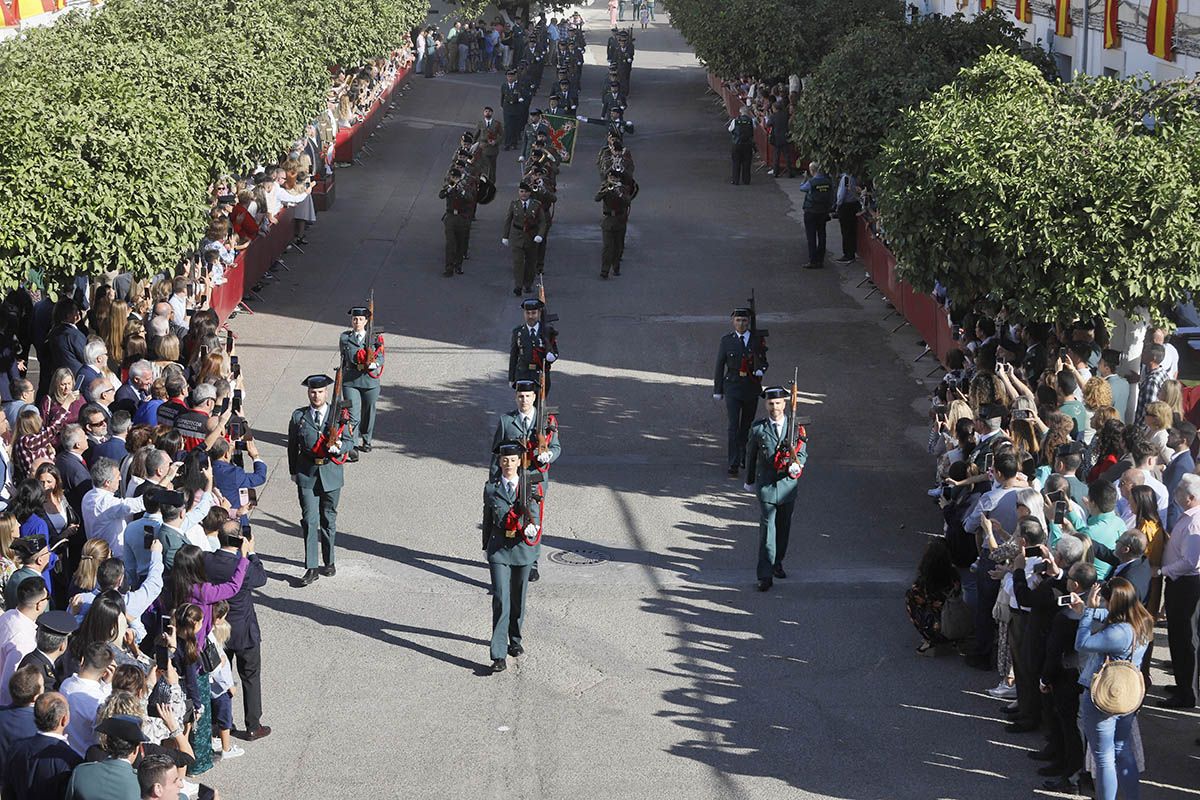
x,y
1110,738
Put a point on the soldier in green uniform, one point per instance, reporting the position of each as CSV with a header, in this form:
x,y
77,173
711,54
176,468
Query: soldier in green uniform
x,y
519,425
524,229
529,135
489,134
616,201
543,187
362,366
771,474
32,554
460,210
318,477
512,539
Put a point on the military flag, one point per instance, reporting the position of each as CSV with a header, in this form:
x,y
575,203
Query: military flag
x,y
562,135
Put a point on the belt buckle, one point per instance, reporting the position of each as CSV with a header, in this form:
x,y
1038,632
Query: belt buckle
x,y
320,462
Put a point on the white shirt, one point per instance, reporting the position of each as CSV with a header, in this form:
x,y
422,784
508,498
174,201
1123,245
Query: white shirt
x,y
179,305
84,698
526,420
317,415
512,485
105,516
18,638
780,427
1171,360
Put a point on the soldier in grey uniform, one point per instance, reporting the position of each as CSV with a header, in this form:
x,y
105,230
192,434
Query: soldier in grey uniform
x,y
361,370
772,474
318,477
508,529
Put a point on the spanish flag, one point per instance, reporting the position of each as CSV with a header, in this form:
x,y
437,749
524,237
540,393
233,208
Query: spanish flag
x,y
1062,17
1160,29
1023,12
1112,30
986,5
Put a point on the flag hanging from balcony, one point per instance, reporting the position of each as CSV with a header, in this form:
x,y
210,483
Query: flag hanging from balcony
x,y
1023,12
1112,30
1062,17
986,5
1160,29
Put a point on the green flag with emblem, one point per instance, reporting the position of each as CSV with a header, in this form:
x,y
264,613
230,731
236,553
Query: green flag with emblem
x,y
562,135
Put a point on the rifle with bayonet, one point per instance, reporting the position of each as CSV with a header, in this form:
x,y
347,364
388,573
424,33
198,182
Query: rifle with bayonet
x,y
335,424
372,342
788,451
758,337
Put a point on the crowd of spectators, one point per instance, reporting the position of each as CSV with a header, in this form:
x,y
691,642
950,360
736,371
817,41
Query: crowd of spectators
x,y
128,473
1066,480
479,46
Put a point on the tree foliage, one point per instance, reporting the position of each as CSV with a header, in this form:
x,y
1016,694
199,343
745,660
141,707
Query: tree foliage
x,y
856,94
113,124
1061,200
772,38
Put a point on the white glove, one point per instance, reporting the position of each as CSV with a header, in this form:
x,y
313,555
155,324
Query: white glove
x,y
504,242
747,487
537,239
530,531
373,365
758,373
336,447
718,396
793,470
551,358
520,158
543,458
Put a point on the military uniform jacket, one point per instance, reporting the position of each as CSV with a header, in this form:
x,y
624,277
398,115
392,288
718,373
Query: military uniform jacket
x,y
460,199
614,101
616,207
38,659
546,196
511,427
524,360
302,438
771,485
735,366
501,547
522,224
354,372
512,96
529,135
490,136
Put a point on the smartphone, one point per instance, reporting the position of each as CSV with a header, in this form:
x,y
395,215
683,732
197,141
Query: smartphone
x,y
237,428
203,352
1032,552
160,659
1065,600
1056,497
165,623
1060,512
228,341
246,531
1022,413
191,288
243,497
988,458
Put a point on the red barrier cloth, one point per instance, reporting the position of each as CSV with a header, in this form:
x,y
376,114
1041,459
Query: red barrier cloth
x,y
350,140
252,263
323,193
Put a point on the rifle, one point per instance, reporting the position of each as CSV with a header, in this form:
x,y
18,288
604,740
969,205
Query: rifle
x,y
372,343
339,413
788,450
527,497
758,358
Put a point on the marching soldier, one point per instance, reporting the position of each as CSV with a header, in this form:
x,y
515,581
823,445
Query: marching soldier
x,y
520,425
362,366
313,446
513,100
615,155
512,538
741,362
529,135
771,475
533,347
489,134
555,106
613,98
460,210
616,199
524,228
543,192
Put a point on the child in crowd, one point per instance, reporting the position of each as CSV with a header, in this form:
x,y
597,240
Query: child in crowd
x,y
222,688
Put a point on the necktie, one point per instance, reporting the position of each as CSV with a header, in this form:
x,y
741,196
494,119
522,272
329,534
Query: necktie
x,y
746,339
779,430
526,204
317,416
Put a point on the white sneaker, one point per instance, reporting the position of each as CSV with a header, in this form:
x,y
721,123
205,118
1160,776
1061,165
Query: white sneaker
x,y
234,751
190,789
770,172
216,744
1003,691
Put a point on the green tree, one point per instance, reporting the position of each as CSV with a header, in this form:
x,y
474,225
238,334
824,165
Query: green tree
x,y
856,94
1058,199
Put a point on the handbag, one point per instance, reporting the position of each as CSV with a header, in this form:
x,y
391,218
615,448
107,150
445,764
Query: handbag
x,y
1118,687
210,657
958,621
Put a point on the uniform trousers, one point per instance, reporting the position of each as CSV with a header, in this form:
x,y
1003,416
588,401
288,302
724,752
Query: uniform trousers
x,y
489,166
814,229
774,531
541,250
458,233
1182,605
512,125
613,236
740,414
743,159
509,586
318,521
362,411
524,262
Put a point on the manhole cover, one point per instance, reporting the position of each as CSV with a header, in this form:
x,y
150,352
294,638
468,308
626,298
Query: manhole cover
x,y
579,558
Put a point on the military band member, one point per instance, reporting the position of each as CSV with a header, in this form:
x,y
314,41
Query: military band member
x,y
520,425
460,210
508,529
524,229
514,100
543,192
615,155
529,135
741,362
533,348
616,200
771,475
318,477
489,133
362,366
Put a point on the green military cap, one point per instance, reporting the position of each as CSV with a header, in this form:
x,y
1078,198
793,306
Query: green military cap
x,y
317,381
510,447
775,393
532,304
526,386
363,311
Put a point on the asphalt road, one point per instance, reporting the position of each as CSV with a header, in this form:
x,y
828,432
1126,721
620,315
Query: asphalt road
x,y
659,671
